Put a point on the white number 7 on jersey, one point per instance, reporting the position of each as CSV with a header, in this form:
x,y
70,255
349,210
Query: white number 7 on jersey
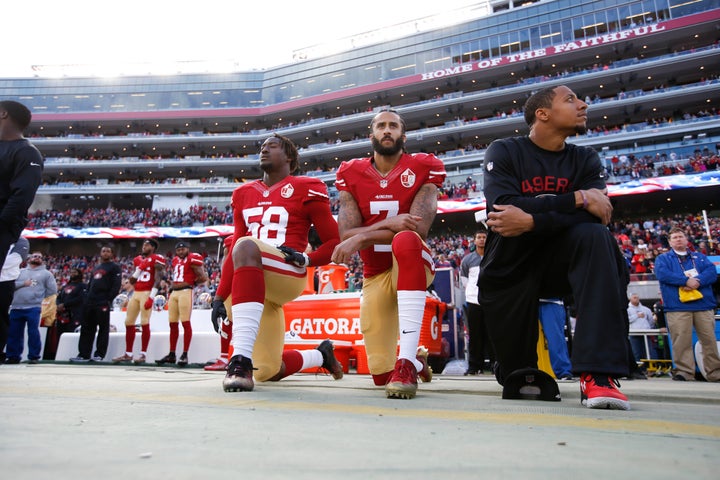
x,y
391,207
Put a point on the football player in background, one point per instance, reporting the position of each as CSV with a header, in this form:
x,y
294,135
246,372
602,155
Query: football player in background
x,y
146,278
188,270
387,204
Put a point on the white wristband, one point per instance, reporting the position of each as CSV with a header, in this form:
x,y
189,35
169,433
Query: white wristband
x,y
307,260
153,292
136,274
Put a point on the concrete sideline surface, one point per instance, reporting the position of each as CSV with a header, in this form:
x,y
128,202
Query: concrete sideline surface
x,y
62,421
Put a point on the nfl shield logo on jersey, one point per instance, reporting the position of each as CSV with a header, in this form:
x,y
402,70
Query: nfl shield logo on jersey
x,y
287,191
407,178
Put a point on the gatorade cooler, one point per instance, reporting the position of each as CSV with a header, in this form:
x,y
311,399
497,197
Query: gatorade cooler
x,y
332,278
361,362
431,331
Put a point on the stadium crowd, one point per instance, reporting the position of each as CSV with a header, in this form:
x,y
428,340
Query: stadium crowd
x,y
147,217
641,241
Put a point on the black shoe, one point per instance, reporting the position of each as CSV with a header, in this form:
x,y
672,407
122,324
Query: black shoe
x,y
679,378
182,361
330,363
472,371
12,360
239,376
33,361
637,375
169,358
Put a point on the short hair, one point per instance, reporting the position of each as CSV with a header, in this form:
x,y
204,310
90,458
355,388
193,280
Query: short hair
x,y
108,245
152,242
480,230
540,99
18,112
403,127
677,230
290,150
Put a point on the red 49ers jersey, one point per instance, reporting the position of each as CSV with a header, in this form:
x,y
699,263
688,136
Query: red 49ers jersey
x,y
146,280
381,197
182,268
283,213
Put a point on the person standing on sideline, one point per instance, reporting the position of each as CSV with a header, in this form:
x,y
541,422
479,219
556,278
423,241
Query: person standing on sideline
x,y
33,284
479,346
272,218
21,166
149,272
680,269
548,210
640,318
188,270
387,204
104,286
10,272
70,302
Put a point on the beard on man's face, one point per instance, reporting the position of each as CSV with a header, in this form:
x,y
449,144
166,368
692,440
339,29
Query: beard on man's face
x,y
581,129
397,146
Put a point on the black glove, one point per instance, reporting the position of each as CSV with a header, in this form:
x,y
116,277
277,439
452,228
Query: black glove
x,y
294,257
218,314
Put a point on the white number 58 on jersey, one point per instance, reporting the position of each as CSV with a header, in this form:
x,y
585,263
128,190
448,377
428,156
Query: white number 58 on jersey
x,y
267,224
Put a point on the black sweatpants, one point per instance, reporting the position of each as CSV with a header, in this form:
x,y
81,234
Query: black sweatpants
x,y
7,291
479,345
584,261
95,318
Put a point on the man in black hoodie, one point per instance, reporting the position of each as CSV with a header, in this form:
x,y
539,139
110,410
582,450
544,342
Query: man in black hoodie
x,y
21,166
104,286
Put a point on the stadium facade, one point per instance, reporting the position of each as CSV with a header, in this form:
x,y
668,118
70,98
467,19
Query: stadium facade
x,y
649,69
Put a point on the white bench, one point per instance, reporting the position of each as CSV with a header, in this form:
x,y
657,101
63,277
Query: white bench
x,y
205,346
205,343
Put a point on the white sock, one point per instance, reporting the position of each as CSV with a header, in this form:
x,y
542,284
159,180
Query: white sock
x,y
311,358
246,322
411,307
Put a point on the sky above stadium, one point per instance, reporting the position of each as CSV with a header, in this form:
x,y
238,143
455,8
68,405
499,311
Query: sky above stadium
x,y
48,37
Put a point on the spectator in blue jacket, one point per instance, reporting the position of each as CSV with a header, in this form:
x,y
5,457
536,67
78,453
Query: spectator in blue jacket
x,y
681,269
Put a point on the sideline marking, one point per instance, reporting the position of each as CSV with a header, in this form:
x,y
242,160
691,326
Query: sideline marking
x,y
232,400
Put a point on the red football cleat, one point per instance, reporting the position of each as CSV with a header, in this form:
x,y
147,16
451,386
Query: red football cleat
x,y
601,391
403,380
